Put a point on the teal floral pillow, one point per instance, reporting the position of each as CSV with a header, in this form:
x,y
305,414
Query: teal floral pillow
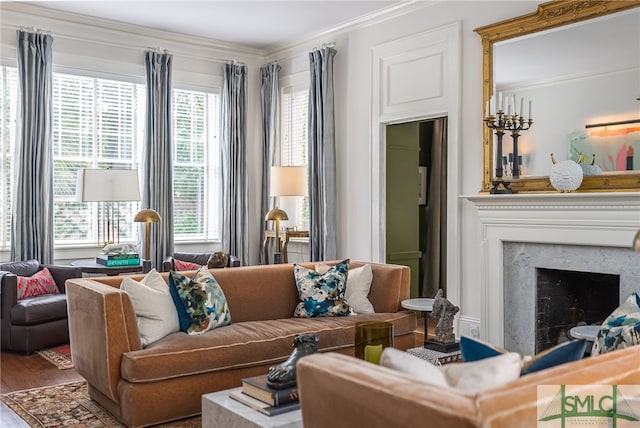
x,y
322,294
621,329
200,301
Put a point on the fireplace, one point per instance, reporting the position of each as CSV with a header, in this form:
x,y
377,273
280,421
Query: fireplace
x,y
520,233
567,298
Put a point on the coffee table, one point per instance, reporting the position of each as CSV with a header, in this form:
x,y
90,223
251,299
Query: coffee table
x,y
90,266
220,410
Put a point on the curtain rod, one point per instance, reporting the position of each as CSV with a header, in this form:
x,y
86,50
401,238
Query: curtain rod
x,y
622,122
159,50
234,62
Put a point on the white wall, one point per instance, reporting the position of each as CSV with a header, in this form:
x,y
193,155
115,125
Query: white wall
x,y
354,95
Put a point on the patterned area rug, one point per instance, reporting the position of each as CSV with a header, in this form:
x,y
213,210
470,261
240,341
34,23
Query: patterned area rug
x,y
69,405
60,356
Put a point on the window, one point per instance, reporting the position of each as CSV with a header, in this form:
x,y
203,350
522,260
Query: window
x,y
8,106
294,144
196,165
99,123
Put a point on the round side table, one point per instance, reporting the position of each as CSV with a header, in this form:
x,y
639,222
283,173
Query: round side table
x,y
423,305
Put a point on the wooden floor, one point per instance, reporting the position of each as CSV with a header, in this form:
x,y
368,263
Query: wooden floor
x,y
18,372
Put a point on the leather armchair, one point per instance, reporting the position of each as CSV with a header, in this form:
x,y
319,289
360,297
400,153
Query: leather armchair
x,y
199,258
38,322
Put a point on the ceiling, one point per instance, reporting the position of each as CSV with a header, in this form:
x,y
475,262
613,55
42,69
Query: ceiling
x,y
257,23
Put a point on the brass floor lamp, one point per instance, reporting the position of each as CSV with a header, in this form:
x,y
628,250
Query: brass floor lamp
x,y
147,216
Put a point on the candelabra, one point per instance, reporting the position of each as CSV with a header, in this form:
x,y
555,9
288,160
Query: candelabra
x,y
515,124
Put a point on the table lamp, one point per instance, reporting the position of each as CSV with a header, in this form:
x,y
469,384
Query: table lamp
x,y
284,181
107,186
147,216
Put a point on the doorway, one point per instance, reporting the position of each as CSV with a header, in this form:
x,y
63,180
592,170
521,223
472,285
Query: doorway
x,y
416,202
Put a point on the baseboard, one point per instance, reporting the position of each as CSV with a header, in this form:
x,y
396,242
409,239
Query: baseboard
x,y
469,326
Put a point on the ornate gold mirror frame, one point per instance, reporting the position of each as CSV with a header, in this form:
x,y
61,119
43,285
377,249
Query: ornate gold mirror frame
x,y
549,15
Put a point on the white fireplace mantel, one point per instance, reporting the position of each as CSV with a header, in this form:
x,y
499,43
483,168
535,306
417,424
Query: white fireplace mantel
x,y
608,219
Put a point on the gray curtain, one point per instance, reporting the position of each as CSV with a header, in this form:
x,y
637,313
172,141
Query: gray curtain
x,y
157,155
435,259
322,157
270,102
235,229
32,235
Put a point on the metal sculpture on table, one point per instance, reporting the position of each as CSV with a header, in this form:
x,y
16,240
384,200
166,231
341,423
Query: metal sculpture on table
x,y
284,375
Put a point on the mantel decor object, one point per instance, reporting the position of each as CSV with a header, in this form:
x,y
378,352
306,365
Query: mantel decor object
x,y
567,175
501,122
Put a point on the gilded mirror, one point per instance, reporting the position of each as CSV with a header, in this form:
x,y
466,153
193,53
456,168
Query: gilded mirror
x,y
553,20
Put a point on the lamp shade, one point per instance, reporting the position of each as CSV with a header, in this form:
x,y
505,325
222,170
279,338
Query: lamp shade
x,y
288,181
107,185
147,215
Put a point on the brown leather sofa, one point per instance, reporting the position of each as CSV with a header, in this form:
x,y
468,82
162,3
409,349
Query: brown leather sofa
x,y
372,396
35,322
165,380
199,258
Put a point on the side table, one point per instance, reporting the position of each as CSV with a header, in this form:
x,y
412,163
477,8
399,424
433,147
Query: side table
x,y
423,305
220,410
284,238
91,266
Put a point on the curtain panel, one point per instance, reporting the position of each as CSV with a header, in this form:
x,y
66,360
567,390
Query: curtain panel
x,y
32,236
270,102
435,257
235,229
157,155
322,157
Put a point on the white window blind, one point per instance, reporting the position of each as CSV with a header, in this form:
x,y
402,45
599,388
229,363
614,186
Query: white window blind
x,y
293,141
97,123
8,106
196,165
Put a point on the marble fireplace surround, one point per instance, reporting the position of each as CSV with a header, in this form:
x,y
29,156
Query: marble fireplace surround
x,y
573,226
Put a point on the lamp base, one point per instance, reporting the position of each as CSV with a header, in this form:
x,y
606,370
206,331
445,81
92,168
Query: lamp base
x,y
277,258
146,266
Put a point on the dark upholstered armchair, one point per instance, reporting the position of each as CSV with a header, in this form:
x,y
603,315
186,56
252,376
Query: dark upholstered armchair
x,y
199,258
36,322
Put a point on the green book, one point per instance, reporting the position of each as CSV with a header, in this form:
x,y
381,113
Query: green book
x,y
118,262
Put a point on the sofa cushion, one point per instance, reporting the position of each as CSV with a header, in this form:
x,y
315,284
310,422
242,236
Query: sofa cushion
x,y
322,294
470,378
39,309
39,284
246,344
155,312
26,268
357,288
203,301
621,329
475,350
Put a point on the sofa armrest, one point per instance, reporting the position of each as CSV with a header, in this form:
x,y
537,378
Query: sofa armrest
x,y
8,293
61,274
341,391
102,327
167,264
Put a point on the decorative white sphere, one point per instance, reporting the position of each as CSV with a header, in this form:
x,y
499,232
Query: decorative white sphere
x,y
566,176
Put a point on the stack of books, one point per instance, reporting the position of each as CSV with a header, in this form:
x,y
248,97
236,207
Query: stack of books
x,y
122,259
256,394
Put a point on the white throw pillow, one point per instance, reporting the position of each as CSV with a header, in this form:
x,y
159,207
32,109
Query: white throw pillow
x,y
358,286
470,378
155,312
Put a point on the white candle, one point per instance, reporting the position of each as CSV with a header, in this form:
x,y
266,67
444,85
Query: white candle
x,y
499,100
529,109
514,104
521,106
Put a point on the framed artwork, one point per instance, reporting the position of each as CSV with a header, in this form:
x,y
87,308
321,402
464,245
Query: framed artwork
x,y
422,183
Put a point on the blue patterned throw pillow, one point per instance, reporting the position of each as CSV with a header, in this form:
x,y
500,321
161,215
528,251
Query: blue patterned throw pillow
x,y
200,302
322,294
621,329
473,350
